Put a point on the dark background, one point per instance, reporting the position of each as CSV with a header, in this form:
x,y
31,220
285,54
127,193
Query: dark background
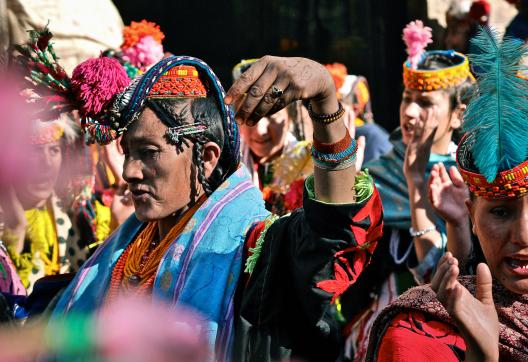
x,y
365,35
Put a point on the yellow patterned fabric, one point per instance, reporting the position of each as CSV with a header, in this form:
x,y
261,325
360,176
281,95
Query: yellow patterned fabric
x,y
103,218
431,80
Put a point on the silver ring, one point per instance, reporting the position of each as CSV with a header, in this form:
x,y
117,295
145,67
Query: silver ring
x,y
276,92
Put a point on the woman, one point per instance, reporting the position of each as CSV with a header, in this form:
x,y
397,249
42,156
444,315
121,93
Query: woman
x,y
42,235
480,318
200,235
414,237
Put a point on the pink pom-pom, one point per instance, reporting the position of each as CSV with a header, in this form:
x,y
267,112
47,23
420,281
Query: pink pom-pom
x,y
144,54
416,37
95,82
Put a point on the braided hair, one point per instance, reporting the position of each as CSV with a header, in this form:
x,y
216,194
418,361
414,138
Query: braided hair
x,y
172,113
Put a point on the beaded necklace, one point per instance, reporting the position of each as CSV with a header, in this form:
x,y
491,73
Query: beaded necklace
x,y
135,270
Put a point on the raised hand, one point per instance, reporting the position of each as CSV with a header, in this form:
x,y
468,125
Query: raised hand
x,y
273,82
475,316
447,193
419,148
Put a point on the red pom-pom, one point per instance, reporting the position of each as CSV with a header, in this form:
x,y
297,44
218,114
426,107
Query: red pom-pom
x,y
95,82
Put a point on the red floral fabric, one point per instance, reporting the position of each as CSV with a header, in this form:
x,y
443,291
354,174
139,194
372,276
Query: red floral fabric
x,y
367,227
413,337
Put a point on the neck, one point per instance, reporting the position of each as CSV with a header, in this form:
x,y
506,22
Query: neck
x,y
166,224
441,147
28,204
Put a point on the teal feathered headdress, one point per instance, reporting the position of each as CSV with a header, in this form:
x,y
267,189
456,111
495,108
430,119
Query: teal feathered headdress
x,y
496,119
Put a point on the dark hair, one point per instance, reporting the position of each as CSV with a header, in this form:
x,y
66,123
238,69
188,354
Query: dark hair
x,y
461,94
172,113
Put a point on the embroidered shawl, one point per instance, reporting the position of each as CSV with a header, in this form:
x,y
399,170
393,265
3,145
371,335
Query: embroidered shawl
x,y
200,269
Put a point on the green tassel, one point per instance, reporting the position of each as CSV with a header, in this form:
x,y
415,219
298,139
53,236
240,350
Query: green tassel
x,y
251,261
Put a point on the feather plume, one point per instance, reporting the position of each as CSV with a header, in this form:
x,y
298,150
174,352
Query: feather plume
x,y
497,114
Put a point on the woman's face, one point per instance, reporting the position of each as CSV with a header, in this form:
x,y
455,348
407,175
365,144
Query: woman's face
x,y
266,139
428,109
502,229
44,163
158,176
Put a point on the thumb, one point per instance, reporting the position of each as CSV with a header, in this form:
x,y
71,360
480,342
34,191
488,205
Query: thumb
x,y
484,284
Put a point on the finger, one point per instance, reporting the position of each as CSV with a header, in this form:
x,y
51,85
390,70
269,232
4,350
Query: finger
x,y
266,106
441,268
484,291
255,94
246,80
449,280
360,153
444,176
456,177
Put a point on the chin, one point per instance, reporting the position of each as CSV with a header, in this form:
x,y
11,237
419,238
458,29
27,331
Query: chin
x,y
145,213
518,286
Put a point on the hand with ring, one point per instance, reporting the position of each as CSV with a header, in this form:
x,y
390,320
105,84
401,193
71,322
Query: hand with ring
x,y
273,82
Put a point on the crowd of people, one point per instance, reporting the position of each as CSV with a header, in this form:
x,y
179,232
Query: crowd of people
x,y
148,214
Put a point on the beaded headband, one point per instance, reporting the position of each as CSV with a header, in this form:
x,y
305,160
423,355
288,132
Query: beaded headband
x,y
178,82
47,133
431,80
508,184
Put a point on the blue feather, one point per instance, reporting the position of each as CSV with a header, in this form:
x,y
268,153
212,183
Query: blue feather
x,y
498,112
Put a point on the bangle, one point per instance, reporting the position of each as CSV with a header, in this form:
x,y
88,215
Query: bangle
x,y
335,156
418,233
325,118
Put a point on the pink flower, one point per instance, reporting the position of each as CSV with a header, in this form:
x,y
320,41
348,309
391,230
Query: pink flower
x,y
416,37
144,54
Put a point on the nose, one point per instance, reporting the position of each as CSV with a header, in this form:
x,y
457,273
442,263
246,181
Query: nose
x,y
132,171
262,127
520,231
412,111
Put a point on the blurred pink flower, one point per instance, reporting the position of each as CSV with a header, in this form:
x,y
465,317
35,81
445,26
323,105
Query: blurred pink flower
x,y
416,37
144,54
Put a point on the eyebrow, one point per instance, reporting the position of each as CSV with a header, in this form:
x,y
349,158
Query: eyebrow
x,y
140,140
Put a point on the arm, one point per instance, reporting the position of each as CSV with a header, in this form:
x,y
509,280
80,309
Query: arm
x,y
304,79
415,163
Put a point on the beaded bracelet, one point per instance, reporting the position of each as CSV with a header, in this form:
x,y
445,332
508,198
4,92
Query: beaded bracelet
x,y
335,156
418,233
325,118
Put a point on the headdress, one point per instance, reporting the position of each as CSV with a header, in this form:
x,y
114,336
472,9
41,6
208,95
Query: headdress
x,y
416,38
99,89
470,11
492,155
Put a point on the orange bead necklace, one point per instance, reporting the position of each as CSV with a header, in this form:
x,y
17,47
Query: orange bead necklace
x,y
135,270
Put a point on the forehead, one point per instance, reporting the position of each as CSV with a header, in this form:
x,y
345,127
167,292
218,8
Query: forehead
x,y
433,95
147,126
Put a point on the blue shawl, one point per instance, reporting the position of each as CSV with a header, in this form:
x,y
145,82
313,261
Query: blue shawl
x,y
199,270
387,172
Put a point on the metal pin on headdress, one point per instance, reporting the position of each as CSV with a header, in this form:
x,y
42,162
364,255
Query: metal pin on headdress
x,y
176,134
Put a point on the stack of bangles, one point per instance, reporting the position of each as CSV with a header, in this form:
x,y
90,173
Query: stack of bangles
x,y
335,156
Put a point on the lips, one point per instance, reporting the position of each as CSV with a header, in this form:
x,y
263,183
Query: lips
x,y
140,194
518,264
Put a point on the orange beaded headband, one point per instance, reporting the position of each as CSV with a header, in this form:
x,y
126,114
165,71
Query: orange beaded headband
x,y
179,82
46,134
431,80
508,184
